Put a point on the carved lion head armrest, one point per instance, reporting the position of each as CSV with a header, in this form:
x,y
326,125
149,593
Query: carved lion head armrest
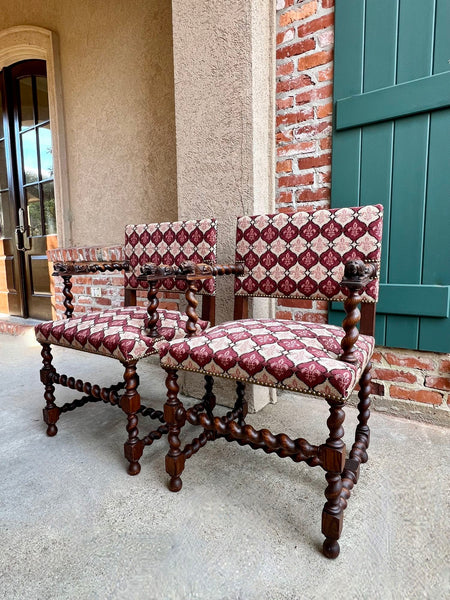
x,y
357,275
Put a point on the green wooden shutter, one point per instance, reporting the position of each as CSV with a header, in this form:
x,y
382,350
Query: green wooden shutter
x,y
391,145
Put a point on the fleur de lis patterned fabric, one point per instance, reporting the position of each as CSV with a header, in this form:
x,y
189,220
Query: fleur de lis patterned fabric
x,y
289,355
302,255
170,244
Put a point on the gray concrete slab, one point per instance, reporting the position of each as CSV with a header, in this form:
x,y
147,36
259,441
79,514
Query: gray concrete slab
x,y
74,525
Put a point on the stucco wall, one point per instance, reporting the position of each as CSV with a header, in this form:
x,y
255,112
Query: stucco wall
x,y
117,81
224,89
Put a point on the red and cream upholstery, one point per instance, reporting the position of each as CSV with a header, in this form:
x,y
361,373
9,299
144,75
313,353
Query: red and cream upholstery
x,y
118,333
170,244
299,255
302,255
289,355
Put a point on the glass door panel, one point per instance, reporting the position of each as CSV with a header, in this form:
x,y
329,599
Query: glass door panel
x,y
29,156
26,102
45,151
49,208
33,210
42,100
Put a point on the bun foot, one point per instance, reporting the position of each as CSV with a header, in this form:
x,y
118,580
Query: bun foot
x,y
52,430
331,548
134,468
175,484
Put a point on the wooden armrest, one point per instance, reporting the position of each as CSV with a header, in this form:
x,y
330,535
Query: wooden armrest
x,y
188,271
357,275
152,272
207,271
79,267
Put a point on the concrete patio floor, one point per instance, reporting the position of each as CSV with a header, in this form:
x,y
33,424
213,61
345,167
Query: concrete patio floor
x,y
74,525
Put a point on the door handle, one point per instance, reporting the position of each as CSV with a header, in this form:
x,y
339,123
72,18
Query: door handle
x,y
20,233
17,235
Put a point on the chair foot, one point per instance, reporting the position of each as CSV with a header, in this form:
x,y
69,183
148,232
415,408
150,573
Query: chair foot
x,y
334,464
175,484
174,416
130,403
331,548
52,430
134,468
51,411
133,453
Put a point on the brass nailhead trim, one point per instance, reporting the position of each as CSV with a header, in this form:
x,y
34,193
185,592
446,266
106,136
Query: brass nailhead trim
x,y
278,387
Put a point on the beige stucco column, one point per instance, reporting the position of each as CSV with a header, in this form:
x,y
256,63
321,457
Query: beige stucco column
x,y
224,69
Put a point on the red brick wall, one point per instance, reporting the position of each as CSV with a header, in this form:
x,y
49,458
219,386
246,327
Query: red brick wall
x,y
303,121
111,284
305,41
112,294
417,376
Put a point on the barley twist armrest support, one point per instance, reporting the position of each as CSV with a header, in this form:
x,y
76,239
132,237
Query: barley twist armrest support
x,y
196,272
191,273
154,274
357,275
67,269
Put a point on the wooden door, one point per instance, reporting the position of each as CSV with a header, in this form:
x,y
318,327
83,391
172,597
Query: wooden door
x,y
391,146
12,284
28,203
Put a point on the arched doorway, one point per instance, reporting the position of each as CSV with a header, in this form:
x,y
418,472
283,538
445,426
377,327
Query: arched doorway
x,y
27,207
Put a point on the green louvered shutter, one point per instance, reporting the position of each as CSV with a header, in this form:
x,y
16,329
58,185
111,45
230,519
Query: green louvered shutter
x,y
391,145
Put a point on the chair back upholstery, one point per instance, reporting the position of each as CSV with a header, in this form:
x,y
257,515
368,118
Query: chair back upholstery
x,y
302,254
170,244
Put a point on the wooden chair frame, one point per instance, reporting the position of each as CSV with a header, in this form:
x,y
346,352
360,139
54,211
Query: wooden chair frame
x,y
341,473
129,401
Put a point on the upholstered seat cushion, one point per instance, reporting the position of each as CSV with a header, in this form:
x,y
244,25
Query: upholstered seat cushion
x,y
117,332
297,356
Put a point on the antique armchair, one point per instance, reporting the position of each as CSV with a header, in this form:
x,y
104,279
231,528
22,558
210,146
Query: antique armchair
x,y
330,255
131,332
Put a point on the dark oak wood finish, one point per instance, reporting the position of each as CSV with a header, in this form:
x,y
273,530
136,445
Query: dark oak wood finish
x,y
356,276
175,417
68,296
51,411
153,304
130,404
333,463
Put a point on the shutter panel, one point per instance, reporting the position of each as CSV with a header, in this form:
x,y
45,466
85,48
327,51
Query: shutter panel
x,y
391,145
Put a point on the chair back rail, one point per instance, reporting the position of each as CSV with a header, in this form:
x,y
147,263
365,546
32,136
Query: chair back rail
x,y
170,243
302,255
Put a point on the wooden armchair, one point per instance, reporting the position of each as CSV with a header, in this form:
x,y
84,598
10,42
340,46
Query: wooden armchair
x,y
327,255
131,332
